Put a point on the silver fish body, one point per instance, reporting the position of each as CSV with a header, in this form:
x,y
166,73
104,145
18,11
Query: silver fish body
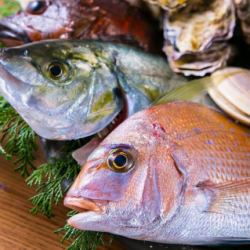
x,y
70,89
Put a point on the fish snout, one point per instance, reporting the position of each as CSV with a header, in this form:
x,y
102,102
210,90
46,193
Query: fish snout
x,y
76,187
74,200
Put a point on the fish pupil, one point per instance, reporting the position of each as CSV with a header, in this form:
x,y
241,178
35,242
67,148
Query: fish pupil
x,y
120,160
56,70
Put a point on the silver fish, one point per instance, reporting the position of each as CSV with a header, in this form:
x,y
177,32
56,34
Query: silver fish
x,y
73,89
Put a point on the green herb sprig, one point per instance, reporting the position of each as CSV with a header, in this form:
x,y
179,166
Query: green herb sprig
x,y
52,180
18,140
8,7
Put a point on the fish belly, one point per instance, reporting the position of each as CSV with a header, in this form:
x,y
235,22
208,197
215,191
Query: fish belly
x,y
195,226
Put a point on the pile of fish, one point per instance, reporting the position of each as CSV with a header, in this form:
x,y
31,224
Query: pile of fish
x,y
175,172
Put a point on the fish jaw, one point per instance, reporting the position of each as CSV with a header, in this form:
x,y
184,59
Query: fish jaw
x,y
91,216
102,219
90,221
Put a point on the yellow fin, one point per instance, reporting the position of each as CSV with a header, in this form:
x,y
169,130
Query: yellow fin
x,y
188,92
195,90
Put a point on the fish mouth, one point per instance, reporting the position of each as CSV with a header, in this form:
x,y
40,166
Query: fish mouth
x,y
81,205
10,37
88,213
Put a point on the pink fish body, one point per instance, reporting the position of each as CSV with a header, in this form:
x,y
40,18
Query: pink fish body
x,y
174,173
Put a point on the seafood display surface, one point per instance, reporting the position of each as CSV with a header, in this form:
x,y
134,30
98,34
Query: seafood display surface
x,y
142,110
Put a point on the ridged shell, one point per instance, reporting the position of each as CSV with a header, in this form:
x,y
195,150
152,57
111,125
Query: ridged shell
x,y
200,63
169,4
231,92
243,13
196,31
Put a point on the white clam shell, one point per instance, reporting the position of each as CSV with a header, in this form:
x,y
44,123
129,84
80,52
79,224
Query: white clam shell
x,y
231,92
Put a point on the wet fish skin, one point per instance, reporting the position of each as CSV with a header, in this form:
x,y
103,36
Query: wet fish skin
x,y
108,20
190,183
101,79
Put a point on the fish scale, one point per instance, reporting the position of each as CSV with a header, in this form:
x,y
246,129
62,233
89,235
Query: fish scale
x,y
221,170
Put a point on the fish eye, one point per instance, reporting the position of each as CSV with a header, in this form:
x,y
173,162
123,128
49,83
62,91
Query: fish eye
x,y
36,7
120,161
58,71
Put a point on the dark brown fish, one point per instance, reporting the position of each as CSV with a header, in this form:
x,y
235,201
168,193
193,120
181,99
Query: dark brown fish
x,y
112,20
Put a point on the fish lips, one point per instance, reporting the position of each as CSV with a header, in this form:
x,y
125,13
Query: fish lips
x,y
12,35
80,204
90,214
58,126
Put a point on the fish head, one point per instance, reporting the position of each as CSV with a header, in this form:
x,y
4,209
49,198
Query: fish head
x,y
63,90
39,20
129,185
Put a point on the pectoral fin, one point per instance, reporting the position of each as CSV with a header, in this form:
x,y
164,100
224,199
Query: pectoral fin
x,y
81,154
195,91
229,197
